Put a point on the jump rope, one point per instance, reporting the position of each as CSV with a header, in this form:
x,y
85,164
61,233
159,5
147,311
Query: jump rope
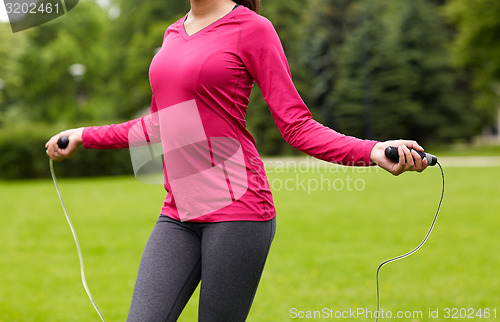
x,y
62,144
390,152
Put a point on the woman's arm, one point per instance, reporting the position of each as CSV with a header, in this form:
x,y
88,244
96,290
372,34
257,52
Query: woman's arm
x,y
115,136
264,58
263,55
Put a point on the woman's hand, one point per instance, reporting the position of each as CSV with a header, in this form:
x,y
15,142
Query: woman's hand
x,y
408,160
75,140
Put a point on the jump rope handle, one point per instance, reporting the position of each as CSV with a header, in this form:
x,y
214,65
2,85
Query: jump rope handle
x,y
63,142
391,153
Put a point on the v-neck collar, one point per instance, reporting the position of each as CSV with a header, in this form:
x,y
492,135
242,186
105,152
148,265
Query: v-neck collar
x,y
210,26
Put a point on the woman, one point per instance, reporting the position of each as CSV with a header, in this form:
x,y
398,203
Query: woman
x,y
201,80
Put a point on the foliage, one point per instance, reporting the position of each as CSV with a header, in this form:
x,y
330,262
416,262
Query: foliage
x,y
48,91
444,112
23,156
10,48
369,68
476,47
390,76
328,23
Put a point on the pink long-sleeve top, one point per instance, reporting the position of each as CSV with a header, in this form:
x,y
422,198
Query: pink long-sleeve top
x,y
201,85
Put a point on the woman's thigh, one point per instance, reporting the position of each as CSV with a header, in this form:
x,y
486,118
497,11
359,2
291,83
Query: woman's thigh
x,y
169,272
233,258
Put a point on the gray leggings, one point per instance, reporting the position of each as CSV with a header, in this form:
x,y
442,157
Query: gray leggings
x,y
228,258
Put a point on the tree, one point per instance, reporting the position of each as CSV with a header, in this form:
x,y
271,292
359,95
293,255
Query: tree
x,y
477,47
11,46
442,108
329,21
47,90
366,73
395,79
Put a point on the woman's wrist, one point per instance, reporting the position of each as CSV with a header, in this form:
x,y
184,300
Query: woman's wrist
x,y
78,135
375,152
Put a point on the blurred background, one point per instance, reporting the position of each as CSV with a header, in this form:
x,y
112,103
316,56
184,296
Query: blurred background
x,y
427,70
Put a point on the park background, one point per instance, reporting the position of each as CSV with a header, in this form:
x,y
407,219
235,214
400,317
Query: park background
x,y
427,70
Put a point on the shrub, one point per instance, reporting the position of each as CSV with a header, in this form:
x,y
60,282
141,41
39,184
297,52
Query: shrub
x,y
22,156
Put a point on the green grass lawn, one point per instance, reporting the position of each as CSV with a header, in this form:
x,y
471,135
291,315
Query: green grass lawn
x,y
328,245
470,150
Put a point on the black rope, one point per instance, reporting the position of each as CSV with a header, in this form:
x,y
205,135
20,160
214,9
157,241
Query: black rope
x,y
410,252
